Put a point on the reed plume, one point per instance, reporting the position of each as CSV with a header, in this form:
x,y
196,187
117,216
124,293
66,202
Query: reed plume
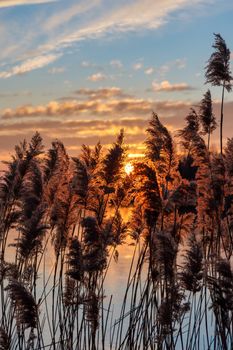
x,y
26,310
160,151
5,342
113,161
165,251
94,253
192,273
75,260
221,288
55,168
148,194
206,116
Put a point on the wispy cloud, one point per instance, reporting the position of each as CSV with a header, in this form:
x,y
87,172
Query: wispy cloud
x,y
57,70
149,71
137,66
119,18
29,65
68,14
10,3
15,94
116,64
135,15
180,63
164,69
166,86
87,64
97,77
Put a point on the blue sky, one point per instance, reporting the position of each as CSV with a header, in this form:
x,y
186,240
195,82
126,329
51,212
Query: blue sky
x,y
79,71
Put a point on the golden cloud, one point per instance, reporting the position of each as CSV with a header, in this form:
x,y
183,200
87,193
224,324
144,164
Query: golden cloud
x,y
99,115
123,107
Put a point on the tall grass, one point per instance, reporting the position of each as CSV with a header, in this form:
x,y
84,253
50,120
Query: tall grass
x,y
66,212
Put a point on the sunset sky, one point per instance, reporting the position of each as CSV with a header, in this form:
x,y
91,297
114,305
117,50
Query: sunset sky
x,y
81,70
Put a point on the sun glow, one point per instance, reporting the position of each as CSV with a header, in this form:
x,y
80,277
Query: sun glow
x,y
129,168
136,155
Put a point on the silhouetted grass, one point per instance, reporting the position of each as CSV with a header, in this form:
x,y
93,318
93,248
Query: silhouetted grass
x,y
179,290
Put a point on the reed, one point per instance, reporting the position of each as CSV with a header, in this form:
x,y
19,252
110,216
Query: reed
x,y
68,211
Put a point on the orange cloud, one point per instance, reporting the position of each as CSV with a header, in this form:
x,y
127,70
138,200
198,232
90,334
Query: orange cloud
x,y
91,128
95,105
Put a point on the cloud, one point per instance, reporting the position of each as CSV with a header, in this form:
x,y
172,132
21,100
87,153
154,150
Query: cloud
x,y
133,16
88,122
164,69
29,65
149,71
87,64
97,77
137,66
116,64
98,104
15,94
66,15
57,70
90,131
116,19
83,131
102,93
180,63
10,3
63,127
166,86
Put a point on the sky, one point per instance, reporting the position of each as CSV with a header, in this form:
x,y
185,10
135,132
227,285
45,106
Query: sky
x,y
79,71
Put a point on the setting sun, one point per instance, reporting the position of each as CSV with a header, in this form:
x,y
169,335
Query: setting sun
x,y
129,168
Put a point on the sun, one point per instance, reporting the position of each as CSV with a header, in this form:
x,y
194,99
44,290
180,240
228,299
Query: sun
x,y
129,168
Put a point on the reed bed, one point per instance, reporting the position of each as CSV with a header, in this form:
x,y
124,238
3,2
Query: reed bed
x,y
179,290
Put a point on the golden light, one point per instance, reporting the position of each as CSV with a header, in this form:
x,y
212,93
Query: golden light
x,y
136,155
129,168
